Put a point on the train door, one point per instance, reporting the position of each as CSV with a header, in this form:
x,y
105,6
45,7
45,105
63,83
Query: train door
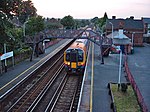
x,y
74,59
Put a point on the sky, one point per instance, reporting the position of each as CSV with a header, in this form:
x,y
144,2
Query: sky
x,y
87,9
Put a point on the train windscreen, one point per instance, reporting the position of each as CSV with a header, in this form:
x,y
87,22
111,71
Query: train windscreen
x,y
74,55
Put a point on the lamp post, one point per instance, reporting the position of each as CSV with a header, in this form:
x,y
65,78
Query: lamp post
x,y
112,29
120,69
133,38
24,28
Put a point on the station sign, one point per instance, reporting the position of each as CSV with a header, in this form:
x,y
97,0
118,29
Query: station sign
x,y
6,55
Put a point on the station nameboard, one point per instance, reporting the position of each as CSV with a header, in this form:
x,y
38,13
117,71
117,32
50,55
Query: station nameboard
x,y
6,55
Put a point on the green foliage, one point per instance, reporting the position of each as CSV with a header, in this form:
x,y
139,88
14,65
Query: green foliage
x,y
25,10
53,23
4,26
94,20
34,25
125,101
124,87
9,7
8,33
100,22
81,23
68,22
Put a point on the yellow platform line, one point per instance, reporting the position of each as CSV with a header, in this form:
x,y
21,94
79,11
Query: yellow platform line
x,y
92,76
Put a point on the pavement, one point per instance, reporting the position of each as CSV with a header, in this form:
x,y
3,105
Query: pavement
x,y
14,75
139,65
95,96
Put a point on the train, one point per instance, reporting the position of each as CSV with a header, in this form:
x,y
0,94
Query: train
x,y
75,56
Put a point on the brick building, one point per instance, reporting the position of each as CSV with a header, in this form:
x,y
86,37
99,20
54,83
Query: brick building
x,y
132,28
146,22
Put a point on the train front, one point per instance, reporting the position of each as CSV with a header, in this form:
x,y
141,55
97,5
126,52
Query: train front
x,y
74,60
75,56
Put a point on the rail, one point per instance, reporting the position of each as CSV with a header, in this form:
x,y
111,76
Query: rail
x,y
25,100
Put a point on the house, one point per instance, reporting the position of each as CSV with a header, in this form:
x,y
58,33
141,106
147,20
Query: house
x,y
146,22
146,35
132,28
120,40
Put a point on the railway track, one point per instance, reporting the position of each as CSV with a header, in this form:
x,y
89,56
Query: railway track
x,y
48,89
34,89
25,92
59,92
67,96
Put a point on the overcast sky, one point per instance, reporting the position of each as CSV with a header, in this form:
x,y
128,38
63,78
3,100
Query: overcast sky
x,y
83,9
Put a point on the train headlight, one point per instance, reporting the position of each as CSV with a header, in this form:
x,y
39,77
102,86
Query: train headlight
x,y
68,63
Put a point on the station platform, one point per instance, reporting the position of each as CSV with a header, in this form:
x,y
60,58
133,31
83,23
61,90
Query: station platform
x,y
16,74
95,94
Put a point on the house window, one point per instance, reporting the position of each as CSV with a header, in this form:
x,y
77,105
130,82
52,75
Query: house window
x,y
148,29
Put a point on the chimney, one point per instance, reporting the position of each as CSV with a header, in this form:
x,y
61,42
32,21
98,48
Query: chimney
x,y
132,17
121,33
113,17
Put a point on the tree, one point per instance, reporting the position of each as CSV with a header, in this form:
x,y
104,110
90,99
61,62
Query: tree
x,y
4,25
34,25
53,23
9,7
94,20
7,11
68,22
25,10
102,21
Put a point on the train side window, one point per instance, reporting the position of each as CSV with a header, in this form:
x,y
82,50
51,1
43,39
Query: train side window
x,y
68,55
80,56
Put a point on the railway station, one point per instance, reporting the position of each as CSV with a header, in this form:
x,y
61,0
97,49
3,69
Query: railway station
x,y
86,61
102,67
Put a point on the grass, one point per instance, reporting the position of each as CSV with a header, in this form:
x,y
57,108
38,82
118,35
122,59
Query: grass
x,y
125,101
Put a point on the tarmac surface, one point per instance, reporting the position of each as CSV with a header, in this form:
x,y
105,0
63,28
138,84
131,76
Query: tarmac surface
x,y
96,80
139,65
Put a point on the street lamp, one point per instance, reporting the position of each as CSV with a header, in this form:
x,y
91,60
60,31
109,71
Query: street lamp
x,y
133,38
112,28
120,68
24,28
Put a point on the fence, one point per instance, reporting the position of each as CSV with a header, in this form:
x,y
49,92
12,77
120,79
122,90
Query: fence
x,y
135,87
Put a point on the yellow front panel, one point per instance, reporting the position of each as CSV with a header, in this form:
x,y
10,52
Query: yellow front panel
x,y
73,65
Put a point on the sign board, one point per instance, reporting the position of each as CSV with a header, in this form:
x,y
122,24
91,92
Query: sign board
x,y
6,55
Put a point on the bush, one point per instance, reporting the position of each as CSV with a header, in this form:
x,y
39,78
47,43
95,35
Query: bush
x,y
124,87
